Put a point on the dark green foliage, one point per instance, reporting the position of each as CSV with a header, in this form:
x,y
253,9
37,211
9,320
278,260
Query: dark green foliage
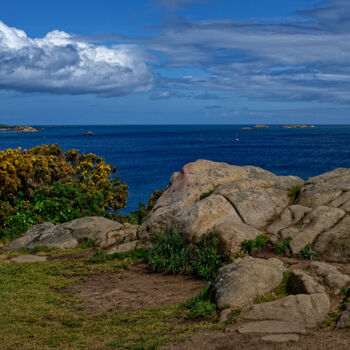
x,y
200,305
294,193
208,257
252,246
169,252
100,256
282,247
308,253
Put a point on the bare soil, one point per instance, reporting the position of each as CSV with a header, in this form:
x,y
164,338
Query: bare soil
x,y
134,289
229,339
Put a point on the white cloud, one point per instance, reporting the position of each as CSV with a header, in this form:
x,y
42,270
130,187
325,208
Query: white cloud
x,y
58,63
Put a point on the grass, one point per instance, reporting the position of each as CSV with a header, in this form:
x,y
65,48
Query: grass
x,y
35,316
252,246
200,305
294,193
170,253
282,247
206,194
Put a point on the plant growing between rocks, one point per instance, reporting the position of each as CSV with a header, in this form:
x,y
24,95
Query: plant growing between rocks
x,y
252,246
294,193
170,253
308,253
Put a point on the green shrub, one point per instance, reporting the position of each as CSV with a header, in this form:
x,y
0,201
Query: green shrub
x,y
294,193
252,246
169,252
46,184
208,258
308,253
282,247
200,305
206,194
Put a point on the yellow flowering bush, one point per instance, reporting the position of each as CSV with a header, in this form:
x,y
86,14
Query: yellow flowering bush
x,y
46,184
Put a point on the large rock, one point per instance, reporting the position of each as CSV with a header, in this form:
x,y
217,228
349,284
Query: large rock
x,y
238,284
290,216
344,319
325,188
334,244
68,235
320,219
334,279
291,314
241,195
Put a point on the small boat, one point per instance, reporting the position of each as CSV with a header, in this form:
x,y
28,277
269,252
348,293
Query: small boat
x,y
89,133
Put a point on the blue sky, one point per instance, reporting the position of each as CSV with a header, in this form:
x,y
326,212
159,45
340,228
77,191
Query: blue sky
x,y
174,62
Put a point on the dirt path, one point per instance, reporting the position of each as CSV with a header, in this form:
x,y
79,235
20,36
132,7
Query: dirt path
x,y
134,289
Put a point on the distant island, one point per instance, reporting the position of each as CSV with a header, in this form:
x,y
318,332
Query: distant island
x,y
17,128
293,126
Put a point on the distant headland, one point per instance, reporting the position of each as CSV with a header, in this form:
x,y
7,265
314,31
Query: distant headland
x,y
17,128
293,126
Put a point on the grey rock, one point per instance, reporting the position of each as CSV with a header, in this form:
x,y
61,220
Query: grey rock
x,y
291,314
334,279
320,219
38,229
123,248
281,338
238,284
334,244
344,319
304,283
28,259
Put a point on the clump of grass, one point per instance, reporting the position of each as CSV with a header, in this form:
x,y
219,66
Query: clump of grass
x,y
206,194
308,253
282,247
88,243
208,257
200,305
171,254
252,246
294,193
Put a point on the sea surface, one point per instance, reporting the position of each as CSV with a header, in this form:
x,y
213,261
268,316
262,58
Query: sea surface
x,y
146,156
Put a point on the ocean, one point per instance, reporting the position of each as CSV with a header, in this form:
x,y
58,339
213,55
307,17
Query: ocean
x,y
146,156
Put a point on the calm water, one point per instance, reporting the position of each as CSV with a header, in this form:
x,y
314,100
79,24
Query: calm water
x,y
146,156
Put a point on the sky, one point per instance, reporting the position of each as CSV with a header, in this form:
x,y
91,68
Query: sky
x,y
174,62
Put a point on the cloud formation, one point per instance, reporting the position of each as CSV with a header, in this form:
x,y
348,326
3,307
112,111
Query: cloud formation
x,y
176,4
301,60
59,64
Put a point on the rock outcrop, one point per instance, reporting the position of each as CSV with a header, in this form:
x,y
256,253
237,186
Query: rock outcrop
x,y
291,314
238,284
240,203
214,196
107,234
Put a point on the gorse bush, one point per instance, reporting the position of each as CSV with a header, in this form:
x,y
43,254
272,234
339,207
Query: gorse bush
x,y
46,184
171,254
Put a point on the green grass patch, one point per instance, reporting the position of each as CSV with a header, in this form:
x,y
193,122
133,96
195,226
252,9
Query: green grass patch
x,y
308,253
200,305
252,246
282,247
170,253
35,315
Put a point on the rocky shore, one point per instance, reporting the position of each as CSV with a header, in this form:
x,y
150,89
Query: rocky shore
x,y
278,298
18,128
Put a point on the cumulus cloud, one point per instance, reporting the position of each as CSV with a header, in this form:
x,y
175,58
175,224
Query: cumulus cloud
x,y
58,64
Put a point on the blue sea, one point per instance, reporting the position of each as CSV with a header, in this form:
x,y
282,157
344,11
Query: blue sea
x,y
146,156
